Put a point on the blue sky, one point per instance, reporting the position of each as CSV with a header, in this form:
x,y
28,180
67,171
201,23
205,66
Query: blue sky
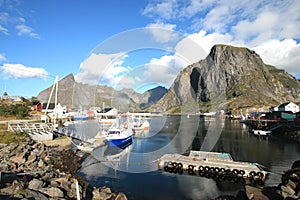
x,y
135,43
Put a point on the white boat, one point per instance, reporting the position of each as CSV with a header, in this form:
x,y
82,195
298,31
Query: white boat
x,y
106,121
119,135
208,114
81,117
140,125
107,116
261,132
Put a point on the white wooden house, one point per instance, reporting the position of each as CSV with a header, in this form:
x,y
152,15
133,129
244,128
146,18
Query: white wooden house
x,y
289,106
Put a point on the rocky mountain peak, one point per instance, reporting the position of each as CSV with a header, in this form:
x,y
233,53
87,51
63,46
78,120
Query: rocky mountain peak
x,y
232,76
221,51
69,77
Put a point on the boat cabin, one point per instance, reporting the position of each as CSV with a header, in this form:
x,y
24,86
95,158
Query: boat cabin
x,y
111,132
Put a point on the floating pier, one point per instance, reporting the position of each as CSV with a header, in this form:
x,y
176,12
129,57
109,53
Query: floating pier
x,y
214,165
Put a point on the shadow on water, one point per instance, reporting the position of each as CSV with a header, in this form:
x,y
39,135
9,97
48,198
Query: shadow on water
x,y
133,169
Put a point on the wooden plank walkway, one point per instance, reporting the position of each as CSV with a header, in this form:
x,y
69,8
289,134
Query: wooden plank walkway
x,y
213,165
37,131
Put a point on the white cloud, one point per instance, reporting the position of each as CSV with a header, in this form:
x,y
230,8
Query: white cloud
x,y
4,16
195,7
265,25
215,19
126,82
103,68
282,54
3,22
196,46
2,57
12,16
248,18
21,71
162,71
206,41
162,32
3,30
164,9
220,16
22,20
27,31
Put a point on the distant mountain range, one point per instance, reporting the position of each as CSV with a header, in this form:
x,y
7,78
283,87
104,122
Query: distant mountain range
x,y
84,96
229,78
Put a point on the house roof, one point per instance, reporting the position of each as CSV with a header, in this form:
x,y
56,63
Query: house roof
x,y
284,104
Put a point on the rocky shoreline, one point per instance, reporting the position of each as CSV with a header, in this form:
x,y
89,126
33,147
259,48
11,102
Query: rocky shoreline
x,y
31,170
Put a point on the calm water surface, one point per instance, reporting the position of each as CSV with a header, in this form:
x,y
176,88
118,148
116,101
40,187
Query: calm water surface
x,y
133,170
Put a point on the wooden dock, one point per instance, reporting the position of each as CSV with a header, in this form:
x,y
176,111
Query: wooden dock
x,y
214,165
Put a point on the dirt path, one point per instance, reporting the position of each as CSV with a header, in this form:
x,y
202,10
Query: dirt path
x,y
61,141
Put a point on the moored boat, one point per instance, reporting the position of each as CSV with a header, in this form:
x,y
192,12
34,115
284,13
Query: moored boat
x,y
107,116
81,117
118,136
208,114
140,125
261,132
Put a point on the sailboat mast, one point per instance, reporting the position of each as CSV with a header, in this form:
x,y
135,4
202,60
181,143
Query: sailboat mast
x,y
56,96
55,100
54,85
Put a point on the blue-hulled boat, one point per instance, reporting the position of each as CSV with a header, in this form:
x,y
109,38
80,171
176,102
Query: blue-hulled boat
x,y
118,137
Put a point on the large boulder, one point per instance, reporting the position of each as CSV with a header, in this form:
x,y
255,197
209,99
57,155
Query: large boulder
x,y
35,184
53,192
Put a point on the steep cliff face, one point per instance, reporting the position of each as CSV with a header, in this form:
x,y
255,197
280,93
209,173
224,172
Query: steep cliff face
x,y
84,96
234,77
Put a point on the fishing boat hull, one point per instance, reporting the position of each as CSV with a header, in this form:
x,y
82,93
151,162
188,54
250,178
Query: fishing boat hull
x,y
81,118
120,142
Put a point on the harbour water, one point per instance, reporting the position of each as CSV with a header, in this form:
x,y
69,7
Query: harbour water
x,y
133,169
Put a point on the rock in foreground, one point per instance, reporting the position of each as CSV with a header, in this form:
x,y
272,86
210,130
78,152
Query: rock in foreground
x,y
32,170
